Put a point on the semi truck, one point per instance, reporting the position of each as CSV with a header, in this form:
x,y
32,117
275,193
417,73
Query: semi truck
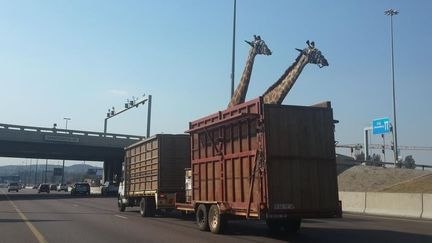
x,y
253,161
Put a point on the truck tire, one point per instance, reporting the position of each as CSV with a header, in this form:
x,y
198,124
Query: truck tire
x,y
292,225
147,207
120,204
216,220
143,207
202,218
151,206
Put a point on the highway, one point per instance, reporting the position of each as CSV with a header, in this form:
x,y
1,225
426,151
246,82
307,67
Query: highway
x,y
58,217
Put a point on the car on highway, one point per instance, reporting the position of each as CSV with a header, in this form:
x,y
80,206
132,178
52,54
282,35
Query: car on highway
x,y
53,187
80,188
109,188
62,187
13,186
44,188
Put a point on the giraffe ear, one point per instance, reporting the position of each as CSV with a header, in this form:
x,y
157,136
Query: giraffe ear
x,y
250,43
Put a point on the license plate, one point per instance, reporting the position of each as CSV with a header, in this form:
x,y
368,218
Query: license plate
x,y
282,206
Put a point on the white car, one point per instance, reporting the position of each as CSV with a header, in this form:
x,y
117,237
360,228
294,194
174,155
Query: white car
x,y
13,186
109,188
62,187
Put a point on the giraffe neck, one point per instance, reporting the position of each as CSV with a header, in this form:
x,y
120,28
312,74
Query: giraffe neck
x,y
241,90
278,91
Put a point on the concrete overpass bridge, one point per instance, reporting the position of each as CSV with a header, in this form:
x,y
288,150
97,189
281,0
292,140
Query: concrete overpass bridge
x,y
51,143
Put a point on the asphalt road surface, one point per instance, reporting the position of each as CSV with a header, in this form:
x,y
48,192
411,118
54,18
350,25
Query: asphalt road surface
x,y
57,217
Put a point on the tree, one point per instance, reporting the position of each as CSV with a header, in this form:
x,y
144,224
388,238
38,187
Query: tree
x,y
409,162
376,158
360,156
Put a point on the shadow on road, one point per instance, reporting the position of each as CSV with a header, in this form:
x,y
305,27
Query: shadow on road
x,y
314,232
327,230
45,196
29,220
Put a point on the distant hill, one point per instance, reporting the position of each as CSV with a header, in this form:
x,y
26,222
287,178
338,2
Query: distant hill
x,y
80,168
8,170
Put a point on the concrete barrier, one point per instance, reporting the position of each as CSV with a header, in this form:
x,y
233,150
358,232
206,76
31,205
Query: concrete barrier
x,y
427,206
353,202
394,204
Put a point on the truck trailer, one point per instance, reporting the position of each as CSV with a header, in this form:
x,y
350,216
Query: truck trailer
x,y
253,161
153,173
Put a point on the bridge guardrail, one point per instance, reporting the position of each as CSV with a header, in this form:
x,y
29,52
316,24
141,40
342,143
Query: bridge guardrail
x,y
68,132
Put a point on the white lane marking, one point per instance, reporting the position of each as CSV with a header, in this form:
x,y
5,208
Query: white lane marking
x,y
388,217
75,205
36,232
119,216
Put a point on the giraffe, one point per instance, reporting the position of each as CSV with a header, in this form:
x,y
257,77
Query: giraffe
x,y
278,91
258,47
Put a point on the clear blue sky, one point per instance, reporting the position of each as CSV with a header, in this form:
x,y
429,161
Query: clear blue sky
x,y
78,58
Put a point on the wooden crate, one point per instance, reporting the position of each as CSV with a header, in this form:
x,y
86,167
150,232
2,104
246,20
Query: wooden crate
x,y
157,164
261,159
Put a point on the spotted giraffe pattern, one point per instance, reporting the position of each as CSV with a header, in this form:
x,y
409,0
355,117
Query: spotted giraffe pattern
x,y
258,47
279,90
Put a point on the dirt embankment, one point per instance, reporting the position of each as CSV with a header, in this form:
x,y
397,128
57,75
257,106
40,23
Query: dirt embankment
x,y
375,179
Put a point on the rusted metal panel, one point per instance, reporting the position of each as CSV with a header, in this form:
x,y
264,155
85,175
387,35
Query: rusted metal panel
x,y
260,159
157,164
223,148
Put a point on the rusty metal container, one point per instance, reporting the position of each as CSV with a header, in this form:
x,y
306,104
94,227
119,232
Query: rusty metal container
x,y
157,165
266,161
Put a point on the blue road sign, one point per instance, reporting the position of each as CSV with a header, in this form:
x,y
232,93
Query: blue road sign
x,y
380,126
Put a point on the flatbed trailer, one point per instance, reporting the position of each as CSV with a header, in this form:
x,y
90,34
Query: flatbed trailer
x,y
259,161
154,173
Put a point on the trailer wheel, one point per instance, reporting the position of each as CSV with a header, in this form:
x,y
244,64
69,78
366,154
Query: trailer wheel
x,y
216,220
147,207
120,204
292,225
202,218
143,207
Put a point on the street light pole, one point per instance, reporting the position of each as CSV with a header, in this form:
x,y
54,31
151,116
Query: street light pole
x,y
233,51
129,105
66,120
390,13
46,170
36,172
149,114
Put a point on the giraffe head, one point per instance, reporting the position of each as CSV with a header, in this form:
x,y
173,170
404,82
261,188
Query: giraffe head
x,y
259,46
314,55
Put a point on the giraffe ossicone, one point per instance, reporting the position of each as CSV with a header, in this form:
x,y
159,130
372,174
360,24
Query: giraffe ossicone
x,y
258,47
279,90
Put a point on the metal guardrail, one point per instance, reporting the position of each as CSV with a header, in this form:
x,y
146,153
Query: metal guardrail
x,y
422,166
45,130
